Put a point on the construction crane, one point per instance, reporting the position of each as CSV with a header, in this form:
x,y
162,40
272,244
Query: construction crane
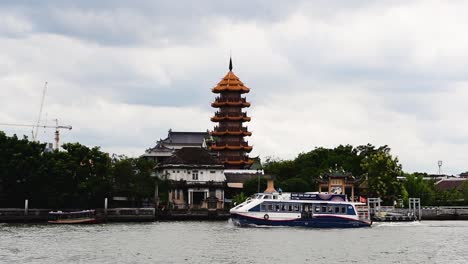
x,y
57,127
34,133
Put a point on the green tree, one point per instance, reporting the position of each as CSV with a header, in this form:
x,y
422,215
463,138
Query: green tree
x,y
239,198
251,185
295,185
381,171
416,186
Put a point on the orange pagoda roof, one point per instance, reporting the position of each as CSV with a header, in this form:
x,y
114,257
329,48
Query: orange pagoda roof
x,y
230,83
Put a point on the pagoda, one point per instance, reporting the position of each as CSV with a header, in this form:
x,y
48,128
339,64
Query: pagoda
x,y
229,134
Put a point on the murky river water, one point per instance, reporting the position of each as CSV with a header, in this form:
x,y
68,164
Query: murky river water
x,y
221,242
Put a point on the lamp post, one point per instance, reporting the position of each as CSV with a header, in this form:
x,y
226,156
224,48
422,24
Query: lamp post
x,y
258,181
439,163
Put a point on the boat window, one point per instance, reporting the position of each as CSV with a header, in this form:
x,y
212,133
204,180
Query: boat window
x,y
343,210
337,210
317,209
283,207
263,207
270,207
296,207
267,197
277,207
275,197
324,209
330,209
289,208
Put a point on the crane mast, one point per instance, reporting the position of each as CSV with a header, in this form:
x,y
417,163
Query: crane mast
x,y
34,134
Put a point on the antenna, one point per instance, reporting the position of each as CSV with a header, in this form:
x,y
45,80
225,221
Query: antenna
x,y
439,163
34,135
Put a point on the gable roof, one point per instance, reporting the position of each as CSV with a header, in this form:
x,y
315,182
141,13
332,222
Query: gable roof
x,y
191,138
192,156
450,184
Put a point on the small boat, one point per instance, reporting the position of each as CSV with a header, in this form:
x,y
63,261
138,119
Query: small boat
x,y
320,210
77,217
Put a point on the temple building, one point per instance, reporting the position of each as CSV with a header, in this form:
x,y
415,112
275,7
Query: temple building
x,y
338,182
228,136
197,179
176,140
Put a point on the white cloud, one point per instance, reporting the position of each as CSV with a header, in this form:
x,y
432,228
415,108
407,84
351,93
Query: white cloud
x,y
322,73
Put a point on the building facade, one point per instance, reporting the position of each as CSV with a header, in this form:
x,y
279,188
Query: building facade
x,y
196,178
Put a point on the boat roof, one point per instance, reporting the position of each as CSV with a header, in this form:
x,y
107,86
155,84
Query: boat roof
x,y
74,212
310,196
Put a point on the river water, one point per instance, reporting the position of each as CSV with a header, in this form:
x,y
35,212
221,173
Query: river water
x,y
221,242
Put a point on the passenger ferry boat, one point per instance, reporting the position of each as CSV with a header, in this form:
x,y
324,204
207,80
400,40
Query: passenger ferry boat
x,y
320,210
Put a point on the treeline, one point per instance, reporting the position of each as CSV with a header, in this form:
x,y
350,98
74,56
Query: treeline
x,y
81,177
374,167
77,177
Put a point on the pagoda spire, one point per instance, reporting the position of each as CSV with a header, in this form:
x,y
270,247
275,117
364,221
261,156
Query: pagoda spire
x,y
230,64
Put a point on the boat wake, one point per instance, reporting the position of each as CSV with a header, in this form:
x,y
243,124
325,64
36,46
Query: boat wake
x,y
396,224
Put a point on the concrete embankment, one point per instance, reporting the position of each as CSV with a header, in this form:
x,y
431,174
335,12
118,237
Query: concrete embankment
x,y
445,213
17,215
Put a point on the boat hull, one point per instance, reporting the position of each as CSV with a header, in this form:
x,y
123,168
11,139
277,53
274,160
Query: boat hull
x,y
314,222
75,221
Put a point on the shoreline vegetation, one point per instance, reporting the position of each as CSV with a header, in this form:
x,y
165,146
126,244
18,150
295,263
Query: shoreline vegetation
x,y
82,177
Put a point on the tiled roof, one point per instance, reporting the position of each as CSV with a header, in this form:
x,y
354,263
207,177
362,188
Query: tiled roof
x,y
240,177
450,184
185,137
192,156
179,139
230,82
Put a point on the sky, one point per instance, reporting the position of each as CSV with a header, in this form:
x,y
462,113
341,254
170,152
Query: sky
x,y
321,73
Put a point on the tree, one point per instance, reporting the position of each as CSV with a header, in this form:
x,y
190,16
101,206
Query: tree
x,y
295,185
416,186
251,185
381,171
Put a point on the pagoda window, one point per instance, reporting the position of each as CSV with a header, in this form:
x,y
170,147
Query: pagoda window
x,y
195,175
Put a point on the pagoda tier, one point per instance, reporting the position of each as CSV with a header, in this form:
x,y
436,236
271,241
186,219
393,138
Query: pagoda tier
x,y
235,131
229,143
230,116
220,102
224,145
231,162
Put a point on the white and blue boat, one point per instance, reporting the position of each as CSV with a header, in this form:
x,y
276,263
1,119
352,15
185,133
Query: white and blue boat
x,y
316,210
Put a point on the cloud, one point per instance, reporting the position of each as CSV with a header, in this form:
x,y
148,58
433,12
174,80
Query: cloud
x,y
321,73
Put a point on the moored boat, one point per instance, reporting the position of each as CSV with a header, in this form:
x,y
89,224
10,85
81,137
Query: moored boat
x,y
77,217
320,210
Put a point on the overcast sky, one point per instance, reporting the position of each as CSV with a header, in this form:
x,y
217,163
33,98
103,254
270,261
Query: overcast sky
x,y
321,73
